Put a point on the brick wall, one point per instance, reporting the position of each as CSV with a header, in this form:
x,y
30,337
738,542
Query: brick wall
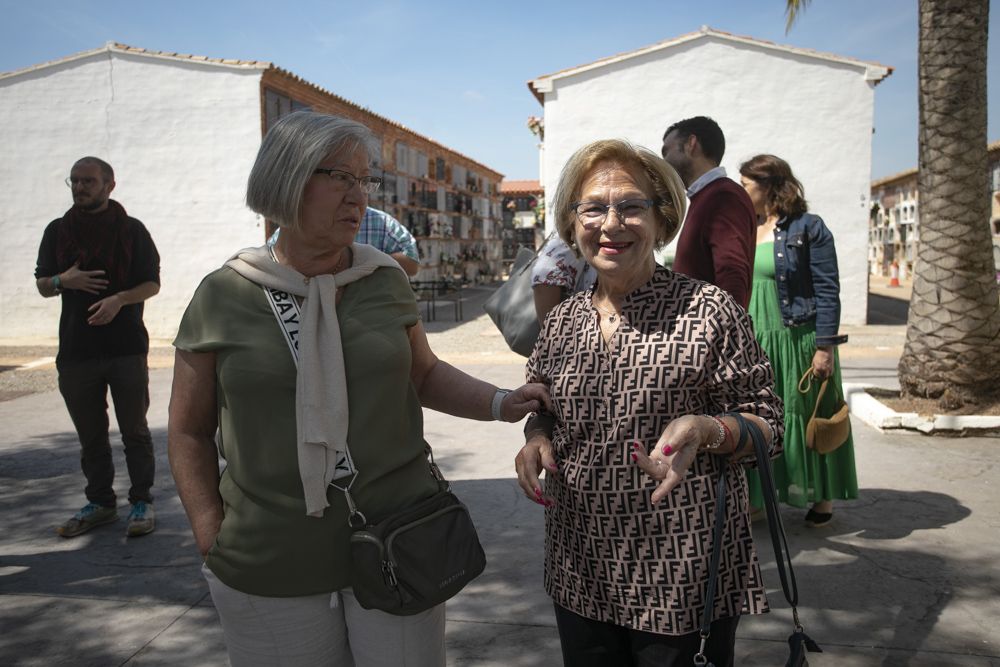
x,y
322,101
457,227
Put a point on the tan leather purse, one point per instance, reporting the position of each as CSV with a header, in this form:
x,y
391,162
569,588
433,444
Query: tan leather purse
x,y
825,434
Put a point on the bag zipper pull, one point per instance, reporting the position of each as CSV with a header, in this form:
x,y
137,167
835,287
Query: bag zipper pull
x,y
389,573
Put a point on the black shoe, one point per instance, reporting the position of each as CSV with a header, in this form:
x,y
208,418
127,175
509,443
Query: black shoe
x,y
816,519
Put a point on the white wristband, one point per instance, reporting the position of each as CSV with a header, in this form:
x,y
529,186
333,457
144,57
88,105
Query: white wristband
x,y
497,403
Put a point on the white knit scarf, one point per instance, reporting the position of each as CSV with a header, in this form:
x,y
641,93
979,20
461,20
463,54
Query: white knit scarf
x,y
321,412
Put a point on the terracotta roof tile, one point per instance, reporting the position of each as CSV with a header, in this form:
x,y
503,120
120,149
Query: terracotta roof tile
x,y
518,187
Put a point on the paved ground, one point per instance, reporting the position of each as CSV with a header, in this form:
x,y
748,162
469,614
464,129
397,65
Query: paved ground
x,y
905,575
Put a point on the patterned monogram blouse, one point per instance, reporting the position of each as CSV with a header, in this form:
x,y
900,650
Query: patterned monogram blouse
x,y
683,348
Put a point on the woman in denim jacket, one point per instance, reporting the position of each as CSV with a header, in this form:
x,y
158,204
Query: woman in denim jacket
x,y
795,306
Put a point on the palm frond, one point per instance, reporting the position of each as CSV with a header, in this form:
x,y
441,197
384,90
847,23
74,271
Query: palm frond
x,y
793,8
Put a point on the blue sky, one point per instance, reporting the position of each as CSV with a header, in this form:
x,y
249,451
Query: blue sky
x,y
457,71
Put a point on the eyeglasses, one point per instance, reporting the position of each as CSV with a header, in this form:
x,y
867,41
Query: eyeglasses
x,y
88,182
344,180
592,214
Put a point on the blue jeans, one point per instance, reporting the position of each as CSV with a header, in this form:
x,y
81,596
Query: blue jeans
x,y
84,386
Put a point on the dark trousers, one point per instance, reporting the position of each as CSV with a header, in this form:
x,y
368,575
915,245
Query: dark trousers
x,y
84,386
589,643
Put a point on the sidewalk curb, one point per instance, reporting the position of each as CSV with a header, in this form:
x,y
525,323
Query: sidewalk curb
x,y
863,403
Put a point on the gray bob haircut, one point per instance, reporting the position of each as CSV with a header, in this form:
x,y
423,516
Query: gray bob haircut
x,y
659,180
290,153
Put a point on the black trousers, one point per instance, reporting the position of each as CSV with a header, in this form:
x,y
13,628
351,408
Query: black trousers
x,y
589,643
84,386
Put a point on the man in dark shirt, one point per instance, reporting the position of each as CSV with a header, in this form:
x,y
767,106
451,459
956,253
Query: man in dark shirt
x,y
104,265
718,239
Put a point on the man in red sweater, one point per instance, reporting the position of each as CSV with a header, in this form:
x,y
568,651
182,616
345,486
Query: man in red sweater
x,y
718,238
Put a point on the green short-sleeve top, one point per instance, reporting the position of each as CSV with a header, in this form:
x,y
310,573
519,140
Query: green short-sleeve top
x,y
267,545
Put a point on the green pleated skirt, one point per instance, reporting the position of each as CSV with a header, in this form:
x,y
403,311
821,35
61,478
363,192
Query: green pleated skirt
x,y
801,476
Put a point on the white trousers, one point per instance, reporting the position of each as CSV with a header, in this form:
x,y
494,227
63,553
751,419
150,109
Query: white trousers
x,y
323,630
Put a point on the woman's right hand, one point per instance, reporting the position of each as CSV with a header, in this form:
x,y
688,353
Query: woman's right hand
x,y
191,448
536,454
674,452
528,398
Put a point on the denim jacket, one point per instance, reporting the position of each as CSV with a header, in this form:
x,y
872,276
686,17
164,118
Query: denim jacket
x,y
805,264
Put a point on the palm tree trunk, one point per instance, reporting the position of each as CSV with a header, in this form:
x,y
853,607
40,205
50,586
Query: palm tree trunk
x,y
952,349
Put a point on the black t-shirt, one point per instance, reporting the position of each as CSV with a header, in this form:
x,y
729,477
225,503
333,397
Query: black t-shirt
x,y
124,335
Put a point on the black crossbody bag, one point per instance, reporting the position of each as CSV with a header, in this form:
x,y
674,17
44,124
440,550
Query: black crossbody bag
x,y
799,643
417,557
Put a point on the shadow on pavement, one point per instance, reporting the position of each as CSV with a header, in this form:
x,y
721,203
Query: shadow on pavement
x,y
873,583
101,598
44,487
864,583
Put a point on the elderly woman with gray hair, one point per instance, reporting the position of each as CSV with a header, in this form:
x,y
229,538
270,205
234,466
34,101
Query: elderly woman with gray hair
x,y
310,361
645,371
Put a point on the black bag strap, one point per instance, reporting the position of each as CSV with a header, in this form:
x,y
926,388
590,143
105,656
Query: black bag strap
x,y
782,554
357,520
713,567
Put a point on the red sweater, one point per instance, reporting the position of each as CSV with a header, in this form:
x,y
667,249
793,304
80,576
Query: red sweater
x,y
718,239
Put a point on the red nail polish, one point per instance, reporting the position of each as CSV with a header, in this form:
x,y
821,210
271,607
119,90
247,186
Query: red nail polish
x,y
667,449
538,493
635,457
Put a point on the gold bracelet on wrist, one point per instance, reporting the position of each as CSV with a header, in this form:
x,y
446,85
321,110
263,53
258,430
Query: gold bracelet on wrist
x,y
720,438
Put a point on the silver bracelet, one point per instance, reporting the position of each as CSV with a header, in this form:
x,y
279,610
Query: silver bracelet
x,y
498,403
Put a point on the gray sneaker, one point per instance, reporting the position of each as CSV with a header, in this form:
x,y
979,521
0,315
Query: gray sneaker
x,y
141,520
91,516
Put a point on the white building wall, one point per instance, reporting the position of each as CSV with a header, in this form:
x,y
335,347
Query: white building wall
x,y
181,137
817,114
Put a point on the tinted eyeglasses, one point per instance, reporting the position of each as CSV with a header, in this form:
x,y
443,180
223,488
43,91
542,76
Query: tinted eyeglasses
x,y
344,180
592,214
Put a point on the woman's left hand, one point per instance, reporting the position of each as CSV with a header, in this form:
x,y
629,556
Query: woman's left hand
x,y
674,452
528,398
822,363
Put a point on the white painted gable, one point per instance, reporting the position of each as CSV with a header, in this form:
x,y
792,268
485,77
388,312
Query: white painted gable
x,y
814,110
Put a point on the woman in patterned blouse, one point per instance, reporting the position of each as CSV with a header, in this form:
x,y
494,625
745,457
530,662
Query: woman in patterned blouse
x,y
641,369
